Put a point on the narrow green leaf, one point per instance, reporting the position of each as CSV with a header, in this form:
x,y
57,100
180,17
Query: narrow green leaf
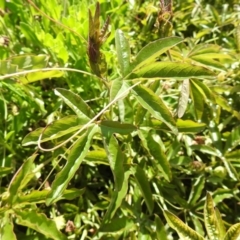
x,y
196,190
118,225
116,127
57,129
123,51
183,99
116,160
233,232
5,170
224,104
197,224
210,219
181,228
150,101
189,126
230,169
28,62
75,158
117,197
156,152
19,179
40,196
198,100
75,102
175,70
121,174
40,75
233,140
141,112
97,157
7,68
209,62
160,230
116,88
154,49
6,229
206,149
220,223
206,92
29,33
144,186
40,223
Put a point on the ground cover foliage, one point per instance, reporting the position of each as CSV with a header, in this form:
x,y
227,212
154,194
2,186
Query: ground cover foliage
x,y
121,122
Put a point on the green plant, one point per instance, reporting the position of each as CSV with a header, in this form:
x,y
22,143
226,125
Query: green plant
x,y
153,130
213,223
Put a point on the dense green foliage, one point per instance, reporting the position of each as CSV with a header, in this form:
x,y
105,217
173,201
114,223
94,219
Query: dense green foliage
x,y
118,119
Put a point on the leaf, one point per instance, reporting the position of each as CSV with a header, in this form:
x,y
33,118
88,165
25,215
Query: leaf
x,y
19,179
206,93
233,140
97,157
196,190
141,112
210,219
116,127
181,228
116,159
40,223
156,152
75,102
220,223
123,52
160,230
5,170
40,75
116,87
75,158
121,174
144,186
56,129
118,225
233,232
223,103
40,196
154,49
189,126
6,229
7,68
198,100
150,101
183,99
28,62
230,169
175,70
